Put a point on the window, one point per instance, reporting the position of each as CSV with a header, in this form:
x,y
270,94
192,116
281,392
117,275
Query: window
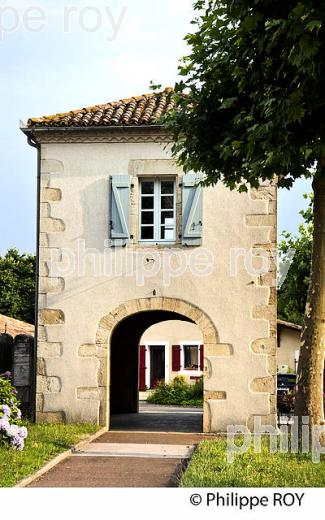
x,y
191,357
188,358
157,210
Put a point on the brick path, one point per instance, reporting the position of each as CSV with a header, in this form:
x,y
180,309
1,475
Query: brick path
x,y
134,458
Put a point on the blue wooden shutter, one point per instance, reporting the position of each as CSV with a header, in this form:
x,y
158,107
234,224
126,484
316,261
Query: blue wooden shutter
x,y
120,208
192,210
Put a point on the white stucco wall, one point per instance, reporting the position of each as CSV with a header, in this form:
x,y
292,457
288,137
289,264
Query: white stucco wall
x,y
288,346
240,372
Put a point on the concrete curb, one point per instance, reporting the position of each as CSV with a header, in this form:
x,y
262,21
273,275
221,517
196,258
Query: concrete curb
x,y
203,434
59,458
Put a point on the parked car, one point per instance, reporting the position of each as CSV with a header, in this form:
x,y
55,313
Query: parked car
x,y
286,384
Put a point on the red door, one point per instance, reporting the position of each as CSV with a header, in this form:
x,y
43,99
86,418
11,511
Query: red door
x,y
142,368
157,364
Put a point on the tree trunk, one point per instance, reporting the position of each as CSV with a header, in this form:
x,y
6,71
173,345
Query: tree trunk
x,y
309,397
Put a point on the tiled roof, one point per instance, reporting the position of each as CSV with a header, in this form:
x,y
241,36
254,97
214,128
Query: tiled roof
x,y
138,111
15,327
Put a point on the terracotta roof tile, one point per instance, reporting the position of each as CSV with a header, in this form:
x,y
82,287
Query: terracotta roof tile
x,y
141,110
15,327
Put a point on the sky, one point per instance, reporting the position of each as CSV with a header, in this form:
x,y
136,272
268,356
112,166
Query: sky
x,y
57,56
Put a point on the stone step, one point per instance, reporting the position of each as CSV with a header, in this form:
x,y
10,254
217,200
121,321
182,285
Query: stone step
x,y
163,451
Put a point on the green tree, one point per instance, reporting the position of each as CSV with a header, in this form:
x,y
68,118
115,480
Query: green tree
x,y
251,105
17,285
292,295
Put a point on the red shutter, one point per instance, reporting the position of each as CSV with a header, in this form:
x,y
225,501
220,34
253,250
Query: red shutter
x,y
201,358
142,368
176,358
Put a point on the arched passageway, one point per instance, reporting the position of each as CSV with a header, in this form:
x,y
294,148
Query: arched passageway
x,y
121,331
125,358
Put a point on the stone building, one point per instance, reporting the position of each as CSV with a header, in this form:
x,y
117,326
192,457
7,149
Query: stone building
x,y
127,240
15,327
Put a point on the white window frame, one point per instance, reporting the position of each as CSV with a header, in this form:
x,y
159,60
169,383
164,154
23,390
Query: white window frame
x,y
183,371
149,344
157,210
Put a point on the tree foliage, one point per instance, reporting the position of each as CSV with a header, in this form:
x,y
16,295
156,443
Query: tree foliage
x,y
17,285
292,295
251,102
251,106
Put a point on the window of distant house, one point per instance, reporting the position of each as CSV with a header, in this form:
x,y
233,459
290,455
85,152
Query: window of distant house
x,y
157,210
191,357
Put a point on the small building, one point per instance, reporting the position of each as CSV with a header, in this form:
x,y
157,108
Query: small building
x,y
15,327
288,346
128,240
17,358
10,329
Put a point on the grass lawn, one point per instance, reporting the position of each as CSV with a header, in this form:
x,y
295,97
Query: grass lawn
x,y
44,442
209,468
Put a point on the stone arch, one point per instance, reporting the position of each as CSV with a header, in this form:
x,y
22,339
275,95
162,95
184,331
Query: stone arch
x,y
190,311
109,322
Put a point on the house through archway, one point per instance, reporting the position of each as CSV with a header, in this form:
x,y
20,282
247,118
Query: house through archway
x,y
168,350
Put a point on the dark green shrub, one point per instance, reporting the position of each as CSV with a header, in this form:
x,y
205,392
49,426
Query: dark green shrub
x,y
178,393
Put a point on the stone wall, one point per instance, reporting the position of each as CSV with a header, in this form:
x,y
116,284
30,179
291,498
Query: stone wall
x,y
77,314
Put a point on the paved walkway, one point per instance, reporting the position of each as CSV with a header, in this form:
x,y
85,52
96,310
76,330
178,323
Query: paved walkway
x,y
142,450
157,418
